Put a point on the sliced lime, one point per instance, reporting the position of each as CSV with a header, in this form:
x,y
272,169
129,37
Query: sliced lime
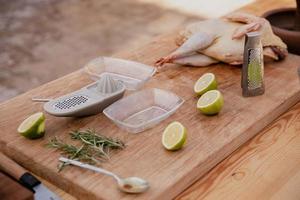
x,y
211,102
41,128
33,127
205,83
174,136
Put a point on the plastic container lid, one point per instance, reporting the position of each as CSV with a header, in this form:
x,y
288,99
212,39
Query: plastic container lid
x,y
131,73
143,110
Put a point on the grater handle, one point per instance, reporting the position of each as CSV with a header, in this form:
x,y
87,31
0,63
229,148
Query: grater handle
x,y
40,99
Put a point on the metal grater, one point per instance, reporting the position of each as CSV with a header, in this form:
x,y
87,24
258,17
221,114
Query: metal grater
x,y
253,67
89,100
71,102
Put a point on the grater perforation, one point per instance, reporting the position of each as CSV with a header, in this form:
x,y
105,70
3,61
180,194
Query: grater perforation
x,y
70,102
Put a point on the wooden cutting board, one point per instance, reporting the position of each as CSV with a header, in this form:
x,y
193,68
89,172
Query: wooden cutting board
x,y
210,139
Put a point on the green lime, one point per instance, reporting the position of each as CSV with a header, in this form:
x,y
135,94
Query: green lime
x,y
174,136
33,127
211,102
205,83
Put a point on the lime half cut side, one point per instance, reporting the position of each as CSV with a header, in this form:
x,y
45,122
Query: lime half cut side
x,y
174,136
211,102
33,127
205,83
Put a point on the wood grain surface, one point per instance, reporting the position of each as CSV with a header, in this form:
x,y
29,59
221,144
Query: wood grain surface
x,y
266,167
210,139
10,167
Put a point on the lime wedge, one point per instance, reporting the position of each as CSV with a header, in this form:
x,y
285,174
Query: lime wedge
x,y
205,83
33,127
174,136
211,102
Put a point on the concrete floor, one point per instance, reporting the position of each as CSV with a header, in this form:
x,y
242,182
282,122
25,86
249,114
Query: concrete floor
x,y
41,40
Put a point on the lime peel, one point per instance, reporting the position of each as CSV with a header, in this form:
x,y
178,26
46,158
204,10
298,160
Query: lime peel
x,y
174,136
205,83
211,102
33,127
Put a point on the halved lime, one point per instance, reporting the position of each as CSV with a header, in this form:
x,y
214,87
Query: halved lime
x,y
211,102
205,83
174,136
33,127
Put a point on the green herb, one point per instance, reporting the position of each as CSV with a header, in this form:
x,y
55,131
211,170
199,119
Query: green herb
x,y
90,137
94,147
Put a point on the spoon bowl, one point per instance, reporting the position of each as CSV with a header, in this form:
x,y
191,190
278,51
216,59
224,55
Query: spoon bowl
x,y
133,185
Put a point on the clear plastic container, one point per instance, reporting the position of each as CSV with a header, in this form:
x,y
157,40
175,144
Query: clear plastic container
x,y
144,109
132,74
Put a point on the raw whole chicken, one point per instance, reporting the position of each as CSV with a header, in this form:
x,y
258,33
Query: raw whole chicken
x,y
222,40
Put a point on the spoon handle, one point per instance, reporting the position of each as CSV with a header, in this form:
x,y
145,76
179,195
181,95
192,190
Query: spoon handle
x,y
90,167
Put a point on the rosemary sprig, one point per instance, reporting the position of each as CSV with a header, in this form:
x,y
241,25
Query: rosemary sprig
x,y
93,150
82,153
90,137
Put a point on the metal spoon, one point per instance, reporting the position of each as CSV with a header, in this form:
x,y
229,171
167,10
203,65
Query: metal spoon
x,y
129,185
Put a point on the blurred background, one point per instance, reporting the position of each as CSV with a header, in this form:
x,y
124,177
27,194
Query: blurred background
x,y
41,40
